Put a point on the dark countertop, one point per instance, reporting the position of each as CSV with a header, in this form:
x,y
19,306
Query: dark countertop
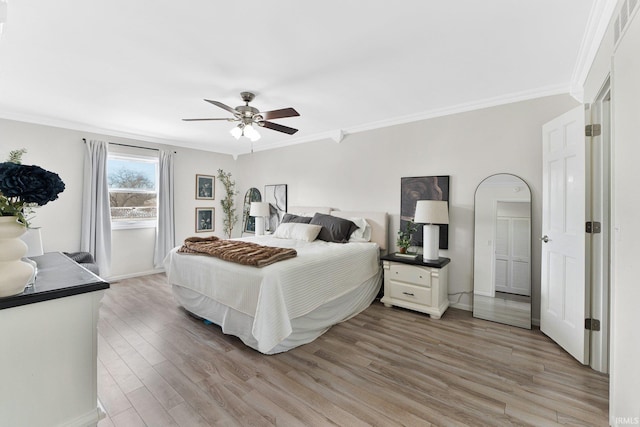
x,y
441,262
58,277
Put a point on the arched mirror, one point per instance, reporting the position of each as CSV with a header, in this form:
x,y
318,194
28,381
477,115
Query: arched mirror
x,y
502,251
249,222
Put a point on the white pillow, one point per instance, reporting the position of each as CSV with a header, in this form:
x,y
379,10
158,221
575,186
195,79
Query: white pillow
x,y
298,231
363,233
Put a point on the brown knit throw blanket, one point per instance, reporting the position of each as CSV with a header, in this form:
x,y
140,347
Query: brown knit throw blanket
x,y
245,253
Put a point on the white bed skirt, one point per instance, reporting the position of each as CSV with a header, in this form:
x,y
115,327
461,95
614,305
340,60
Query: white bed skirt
x,y
305,328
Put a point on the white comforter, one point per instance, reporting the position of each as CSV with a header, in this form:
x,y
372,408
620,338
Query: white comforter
x,y
277,293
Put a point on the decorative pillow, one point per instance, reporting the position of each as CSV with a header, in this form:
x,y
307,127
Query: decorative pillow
x,y
334,229
296,218
298,231
363,232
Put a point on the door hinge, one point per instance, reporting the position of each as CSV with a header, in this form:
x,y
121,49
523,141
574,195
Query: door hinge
x,y
592,130
594,227
592,324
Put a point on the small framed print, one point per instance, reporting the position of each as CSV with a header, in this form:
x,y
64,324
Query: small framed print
x,y
205,187
205,219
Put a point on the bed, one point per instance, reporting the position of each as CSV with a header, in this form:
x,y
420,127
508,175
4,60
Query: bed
x,y
289,303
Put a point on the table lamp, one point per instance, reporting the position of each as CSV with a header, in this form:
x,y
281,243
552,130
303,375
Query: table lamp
x,y
431,213
259,210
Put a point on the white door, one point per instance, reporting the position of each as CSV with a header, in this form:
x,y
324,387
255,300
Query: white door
x,y
563,299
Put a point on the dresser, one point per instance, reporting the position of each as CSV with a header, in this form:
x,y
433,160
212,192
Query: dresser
x,y
417,285
48,339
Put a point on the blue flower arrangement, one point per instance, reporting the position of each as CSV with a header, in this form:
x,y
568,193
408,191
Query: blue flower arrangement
x,y
25,186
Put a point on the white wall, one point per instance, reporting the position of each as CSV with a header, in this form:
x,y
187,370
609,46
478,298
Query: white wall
x,y
363,171
62,151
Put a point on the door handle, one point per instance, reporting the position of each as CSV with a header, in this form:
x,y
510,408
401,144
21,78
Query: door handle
x,y
545,238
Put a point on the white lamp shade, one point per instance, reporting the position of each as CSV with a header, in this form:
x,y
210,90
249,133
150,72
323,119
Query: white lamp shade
x,y
259,209
431,212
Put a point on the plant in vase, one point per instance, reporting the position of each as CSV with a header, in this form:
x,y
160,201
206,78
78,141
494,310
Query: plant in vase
x,y
25,186
21,188
404,237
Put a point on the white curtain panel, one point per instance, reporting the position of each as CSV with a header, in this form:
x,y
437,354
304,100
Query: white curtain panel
x,y
165,231
95,236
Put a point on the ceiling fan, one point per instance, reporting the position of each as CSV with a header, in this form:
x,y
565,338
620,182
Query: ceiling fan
x,y
247,116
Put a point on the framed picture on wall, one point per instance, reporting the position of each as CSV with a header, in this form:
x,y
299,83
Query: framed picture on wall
x,y
205,187
276,196
205,220
413,189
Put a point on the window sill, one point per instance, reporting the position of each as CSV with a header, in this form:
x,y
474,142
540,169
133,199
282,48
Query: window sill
x,y
129,225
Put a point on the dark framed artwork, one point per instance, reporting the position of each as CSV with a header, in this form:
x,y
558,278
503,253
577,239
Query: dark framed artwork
x,y
205,187
252,195
205,220
276,196
413,189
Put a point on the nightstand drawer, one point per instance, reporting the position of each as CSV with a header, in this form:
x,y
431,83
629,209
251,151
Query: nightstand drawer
x,y
410,274
416,294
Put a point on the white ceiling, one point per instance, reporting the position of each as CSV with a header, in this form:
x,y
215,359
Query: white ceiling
x,y
135,68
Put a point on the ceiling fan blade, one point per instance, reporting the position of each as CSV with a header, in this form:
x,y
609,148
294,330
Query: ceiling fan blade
x,y
279,128
223,106
195,120
279,114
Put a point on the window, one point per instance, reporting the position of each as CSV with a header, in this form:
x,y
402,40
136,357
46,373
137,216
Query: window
x,y
133,190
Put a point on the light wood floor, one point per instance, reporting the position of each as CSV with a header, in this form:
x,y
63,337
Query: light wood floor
x,y
159,366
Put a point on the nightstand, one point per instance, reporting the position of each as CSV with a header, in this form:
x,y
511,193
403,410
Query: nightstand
x,y
417,285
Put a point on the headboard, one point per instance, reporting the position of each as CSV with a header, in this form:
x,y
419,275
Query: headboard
x,y
309,210
377,220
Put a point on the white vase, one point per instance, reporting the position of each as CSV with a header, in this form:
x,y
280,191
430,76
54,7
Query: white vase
x,y
14,273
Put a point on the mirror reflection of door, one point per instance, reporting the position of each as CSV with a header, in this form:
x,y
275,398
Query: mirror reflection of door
x,y
249,222
513,240
502,251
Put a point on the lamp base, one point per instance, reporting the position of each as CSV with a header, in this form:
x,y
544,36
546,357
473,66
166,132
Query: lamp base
x,y
431,242
259,226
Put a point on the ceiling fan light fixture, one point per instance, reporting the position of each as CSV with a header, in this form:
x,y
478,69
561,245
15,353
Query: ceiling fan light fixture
x,y
251,133
237,131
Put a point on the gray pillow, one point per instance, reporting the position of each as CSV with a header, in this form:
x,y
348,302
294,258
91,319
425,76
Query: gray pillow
x,y
296,218
334,229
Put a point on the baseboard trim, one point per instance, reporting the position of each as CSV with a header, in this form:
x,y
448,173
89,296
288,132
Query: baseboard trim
x,y
461,306
132,275
90,418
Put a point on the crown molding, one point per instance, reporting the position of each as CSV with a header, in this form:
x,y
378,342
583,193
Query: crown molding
x,y
599,18
83,127
335,135
424,115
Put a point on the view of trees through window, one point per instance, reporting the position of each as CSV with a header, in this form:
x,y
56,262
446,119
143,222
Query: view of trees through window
x,y
133,192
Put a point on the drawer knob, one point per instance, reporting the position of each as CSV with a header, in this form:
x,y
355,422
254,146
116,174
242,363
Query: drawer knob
x,y
409,294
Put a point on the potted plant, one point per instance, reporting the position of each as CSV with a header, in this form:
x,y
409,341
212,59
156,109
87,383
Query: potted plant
x,y
21,188
404,236
228,203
